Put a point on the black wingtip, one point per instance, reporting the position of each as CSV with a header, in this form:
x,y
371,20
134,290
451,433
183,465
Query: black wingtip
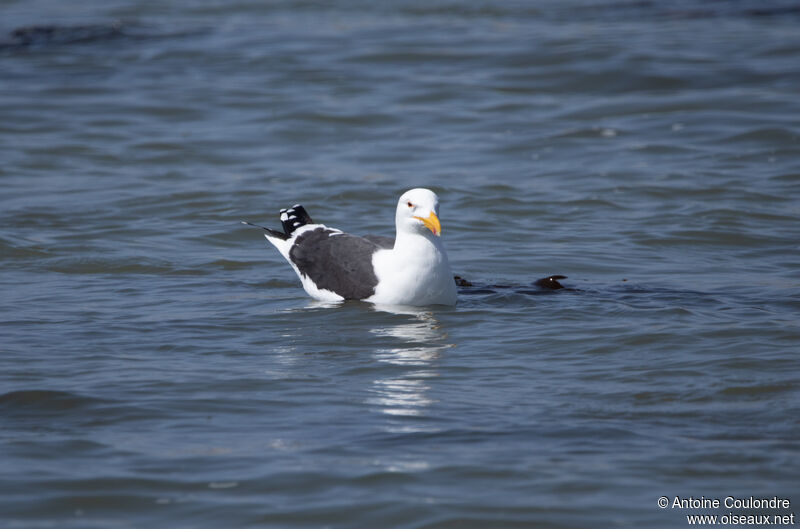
x,y
271,232
293,218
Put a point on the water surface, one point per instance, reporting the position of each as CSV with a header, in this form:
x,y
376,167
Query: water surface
x,y
159,365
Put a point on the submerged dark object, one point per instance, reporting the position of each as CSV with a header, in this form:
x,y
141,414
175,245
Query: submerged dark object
x,y
550,283
43,36
543,285
55,34
461,282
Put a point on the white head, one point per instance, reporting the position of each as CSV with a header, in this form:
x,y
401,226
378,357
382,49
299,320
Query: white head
x,y
418,212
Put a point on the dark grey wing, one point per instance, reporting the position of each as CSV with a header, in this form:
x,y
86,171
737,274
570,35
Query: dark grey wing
x,y
336,261
386,243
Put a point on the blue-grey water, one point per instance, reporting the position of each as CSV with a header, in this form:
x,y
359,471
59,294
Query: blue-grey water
x,y
160,366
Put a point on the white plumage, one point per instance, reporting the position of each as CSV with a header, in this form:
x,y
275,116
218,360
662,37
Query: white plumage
x,y
416,270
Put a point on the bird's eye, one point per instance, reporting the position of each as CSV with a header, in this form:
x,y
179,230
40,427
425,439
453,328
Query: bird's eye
x,y
410,204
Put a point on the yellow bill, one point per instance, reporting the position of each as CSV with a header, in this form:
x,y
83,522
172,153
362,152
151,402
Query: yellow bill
x,y
432,223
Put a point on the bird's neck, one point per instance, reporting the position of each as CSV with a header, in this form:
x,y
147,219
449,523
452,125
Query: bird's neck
x,y
416,243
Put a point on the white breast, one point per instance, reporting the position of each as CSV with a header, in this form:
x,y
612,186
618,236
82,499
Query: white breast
x,y
414,272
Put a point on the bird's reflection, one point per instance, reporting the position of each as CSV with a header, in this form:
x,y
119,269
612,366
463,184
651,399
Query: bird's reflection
x,y
401,396
421,340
